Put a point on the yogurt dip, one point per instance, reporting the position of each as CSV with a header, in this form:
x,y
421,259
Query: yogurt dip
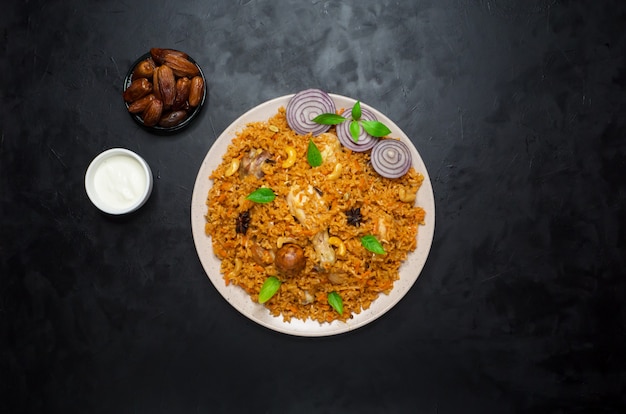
x,y
118,181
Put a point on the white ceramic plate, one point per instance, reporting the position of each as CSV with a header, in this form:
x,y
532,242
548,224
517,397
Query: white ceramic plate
x,y
409,271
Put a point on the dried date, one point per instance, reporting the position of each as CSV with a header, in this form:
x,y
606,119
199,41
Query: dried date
x,y
173,118
159,54
164,85
152,113
145,69
137,89
181,66
196,91
183,86
141,104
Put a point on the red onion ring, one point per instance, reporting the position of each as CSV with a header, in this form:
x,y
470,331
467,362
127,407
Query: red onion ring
x,y
366,141
306,105
391,158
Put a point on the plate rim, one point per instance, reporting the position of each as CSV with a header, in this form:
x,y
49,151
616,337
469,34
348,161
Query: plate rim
x,y
260,314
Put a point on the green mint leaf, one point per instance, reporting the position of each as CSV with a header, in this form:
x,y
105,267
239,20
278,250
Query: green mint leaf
x,y
329,119
336,302
269,288
355,130
262,195
375,128
313,155
372,244
356,111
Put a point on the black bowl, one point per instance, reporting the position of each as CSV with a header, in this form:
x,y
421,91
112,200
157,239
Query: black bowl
x,y
192,114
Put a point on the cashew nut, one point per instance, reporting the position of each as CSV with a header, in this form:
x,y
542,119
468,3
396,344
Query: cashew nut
x,y
407,197
238,266
291,157
284,240
336,172
232,168
338,243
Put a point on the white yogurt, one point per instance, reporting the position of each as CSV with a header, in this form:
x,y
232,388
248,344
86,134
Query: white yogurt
x,y
120,181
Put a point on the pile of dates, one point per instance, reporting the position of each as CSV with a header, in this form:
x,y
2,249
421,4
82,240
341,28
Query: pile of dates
x,y
165,88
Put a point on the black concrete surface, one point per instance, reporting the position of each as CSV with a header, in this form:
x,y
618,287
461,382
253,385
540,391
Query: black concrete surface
x,y
518,110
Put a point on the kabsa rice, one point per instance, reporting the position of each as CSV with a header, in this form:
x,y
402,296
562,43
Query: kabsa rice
x,y
311,210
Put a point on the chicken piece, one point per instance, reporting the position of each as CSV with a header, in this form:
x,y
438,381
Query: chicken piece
x,y
260,255
329,145
382,226
296,200
337,278
324,251
308,207
308,298
252,163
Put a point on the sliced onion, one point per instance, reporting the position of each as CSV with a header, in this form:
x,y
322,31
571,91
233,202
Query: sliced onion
x,y
391,158
366,141
306,105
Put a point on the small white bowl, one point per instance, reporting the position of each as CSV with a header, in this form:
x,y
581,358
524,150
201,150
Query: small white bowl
x,y
118,181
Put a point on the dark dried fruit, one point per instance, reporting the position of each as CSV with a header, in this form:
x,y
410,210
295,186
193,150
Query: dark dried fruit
x,y
159,54
181,66
183,86
137,89
153,112
164,85
173,118
354,216
196,91
141,104
243,222
144,69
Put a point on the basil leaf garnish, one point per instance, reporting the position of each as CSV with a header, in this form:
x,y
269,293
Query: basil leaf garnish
x,y
269,288
375,128
329,119
355,130
262,195
313,155
356,111
372,244
336,302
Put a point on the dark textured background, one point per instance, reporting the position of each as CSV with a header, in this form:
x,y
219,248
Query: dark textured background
x,y
518,110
